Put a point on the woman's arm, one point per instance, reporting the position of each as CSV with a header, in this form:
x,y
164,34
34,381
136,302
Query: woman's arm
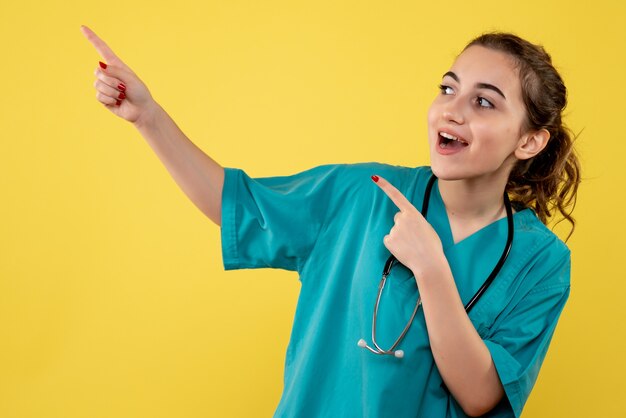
x,y
463,359
197,174
125,95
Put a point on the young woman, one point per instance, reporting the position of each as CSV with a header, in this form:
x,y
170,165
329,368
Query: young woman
x,y
473,285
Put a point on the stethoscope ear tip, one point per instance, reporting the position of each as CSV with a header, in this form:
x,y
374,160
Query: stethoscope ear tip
x,y
362,343
398,353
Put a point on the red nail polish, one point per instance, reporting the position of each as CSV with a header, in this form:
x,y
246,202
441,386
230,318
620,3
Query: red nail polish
x,y
375,178
121,96
121,87
118,102
102,65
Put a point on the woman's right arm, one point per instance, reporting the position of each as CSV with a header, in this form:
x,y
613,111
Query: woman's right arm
x,y
197,174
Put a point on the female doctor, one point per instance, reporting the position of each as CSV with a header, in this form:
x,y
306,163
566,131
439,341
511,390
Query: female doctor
x,y
473,283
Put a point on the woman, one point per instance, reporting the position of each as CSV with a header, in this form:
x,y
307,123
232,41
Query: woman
x,y
495,132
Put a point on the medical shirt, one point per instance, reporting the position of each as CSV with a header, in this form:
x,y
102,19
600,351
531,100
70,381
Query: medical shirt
x,y
328,223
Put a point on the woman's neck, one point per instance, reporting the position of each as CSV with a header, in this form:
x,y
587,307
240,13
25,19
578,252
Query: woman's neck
x,y
472,204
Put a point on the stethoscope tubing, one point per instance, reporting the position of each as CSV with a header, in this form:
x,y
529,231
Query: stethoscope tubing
x,y
503,257
406,328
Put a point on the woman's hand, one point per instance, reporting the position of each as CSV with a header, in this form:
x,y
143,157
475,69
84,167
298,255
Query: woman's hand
x,y
412,240
118,88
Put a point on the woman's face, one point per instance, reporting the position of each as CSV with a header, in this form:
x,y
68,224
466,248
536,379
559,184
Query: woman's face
x,y
474,124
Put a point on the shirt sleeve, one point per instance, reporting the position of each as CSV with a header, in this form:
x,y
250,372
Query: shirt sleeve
x,y
275,221
519,344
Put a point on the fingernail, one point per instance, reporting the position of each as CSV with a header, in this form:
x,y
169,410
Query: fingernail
x,y
375,178
121,96
102,65
121,87
118,102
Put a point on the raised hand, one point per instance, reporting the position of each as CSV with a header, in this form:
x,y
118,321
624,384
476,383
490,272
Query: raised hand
x,y
412,240
118,87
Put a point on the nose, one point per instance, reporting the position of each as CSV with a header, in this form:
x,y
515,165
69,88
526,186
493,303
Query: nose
x,y
452,111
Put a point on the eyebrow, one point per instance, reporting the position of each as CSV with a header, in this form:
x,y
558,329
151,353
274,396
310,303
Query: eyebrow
x,y
479,85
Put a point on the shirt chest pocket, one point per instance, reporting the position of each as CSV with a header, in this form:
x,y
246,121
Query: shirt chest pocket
x,y
490,308
402,279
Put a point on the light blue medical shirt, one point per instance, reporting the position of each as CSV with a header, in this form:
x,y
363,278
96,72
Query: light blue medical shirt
x,y
328,224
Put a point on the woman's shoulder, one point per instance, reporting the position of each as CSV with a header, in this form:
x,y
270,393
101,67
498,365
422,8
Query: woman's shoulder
x,y
385,168
544,249
400,176
531,228
357,171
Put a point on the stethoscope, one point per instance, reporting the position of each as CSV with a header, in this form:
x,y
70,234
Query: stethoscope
x,y
391,261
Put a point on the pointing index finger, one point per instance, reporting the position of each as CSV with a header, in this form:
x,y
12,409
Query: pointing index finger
x,y
394,194
102,48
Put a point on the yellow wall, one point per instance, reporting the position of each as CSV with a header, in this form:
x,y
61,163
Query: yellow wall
x,y
113,299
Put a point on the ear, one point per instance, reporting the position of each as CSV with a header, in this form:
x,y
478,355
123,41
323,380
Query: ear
x,y
532,144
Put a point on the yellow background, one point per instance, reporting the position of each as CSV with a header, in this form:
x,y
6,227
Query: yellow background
x,y
113,298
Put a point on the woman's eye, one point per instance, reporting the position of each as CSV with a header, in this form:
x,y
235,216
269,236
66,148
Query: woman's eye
x,y
445,89
482,102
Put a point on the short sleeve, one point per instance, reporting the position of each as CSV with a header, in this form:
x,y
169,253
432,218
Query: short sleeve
x,y
275,221
518,345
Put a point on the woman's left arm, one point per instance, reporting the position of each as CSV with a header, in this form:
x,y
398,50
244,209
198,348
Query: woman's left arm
x,y
463,359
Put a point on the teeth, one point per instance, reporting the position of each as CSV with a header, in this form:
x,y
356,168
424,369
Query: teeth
x,y
448,136
452,137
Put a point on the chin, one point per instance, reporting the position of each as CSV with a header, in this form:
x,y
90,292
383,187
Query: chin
x,y
444,170
447,173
